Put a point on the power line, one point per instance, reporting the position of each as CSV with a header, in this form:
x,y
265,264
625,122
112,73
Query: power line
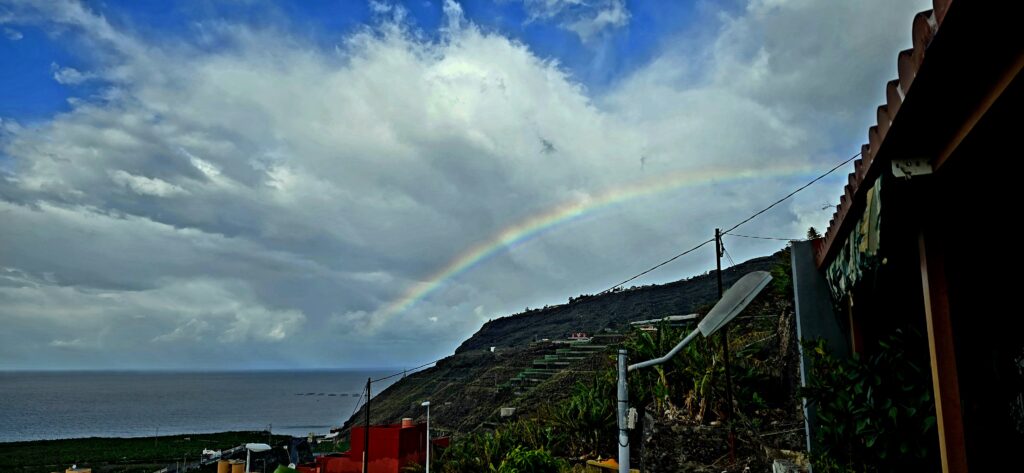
x,y
791,194
356,408
424,365
663,263
363,394
727,255
755,215
764,238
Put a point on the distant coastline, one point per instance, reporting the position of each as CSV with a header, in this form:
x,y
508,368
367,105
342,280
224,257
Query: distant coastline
x,y
143,404
127,454
368,371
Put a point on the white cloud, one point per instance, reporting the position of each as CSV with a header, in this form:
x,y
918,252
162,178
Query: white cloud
x,y
609,17
587,19
12,34
145,185
218,317
194,330
68,75
304,189
547,9
73,343
263,325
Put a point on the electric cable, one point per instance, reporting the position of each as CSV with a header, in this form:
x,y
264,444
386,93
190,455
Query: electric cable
x,y
765,238
406,371
791,194
742,222
356,408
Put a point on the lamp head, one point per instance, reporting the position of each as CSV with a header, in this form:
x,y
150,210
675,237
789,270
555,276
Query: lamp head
x,y
734,301
257,447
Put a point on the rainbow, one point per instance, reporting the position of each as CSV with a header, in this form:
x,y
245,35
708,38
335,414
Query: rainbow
x,y
565,212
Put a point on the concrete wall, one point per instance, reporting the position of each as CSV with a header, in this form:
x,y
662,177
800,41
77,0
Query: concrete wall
x,y
815,318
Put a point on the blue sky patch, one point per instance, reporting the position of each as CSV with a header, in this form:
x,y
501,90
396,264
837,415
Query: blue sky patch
x,y
29,92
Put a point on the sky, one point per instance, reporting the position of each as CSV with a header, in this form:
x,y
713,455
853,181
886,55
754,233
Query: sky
x,y
347,184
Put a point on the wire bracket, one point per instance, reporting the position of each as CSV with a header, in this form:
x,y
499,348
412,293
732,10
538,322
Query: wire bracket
x,y
908,168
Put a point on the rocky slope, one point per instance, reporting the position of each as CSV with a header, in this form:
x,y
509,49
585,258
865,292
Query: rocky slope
x,y
468,388
612,310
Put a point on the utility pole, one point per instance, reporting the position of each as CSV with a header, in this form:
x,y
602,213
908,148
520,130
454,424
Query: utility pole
x,y
622,395
366,430
719,250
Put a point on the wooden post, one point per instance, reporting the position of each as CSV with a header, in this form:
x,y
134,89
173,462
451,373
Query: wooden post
x,y
719,249
943,356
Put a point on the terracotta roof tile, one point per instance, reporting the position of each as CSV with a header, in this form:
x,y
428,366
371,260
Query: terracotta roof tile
x,y
925,25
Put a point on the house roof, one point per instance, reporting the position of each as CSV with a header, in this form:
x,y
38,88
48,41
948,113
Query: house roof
x,y
925,26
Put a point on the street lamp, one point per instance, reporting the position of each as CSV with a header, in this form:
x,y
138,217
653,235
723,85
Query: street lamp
x,y
732,303
253,447
427,405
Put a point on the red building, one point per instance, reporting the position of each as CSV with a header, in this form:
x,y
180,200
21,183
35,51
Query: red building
x,y
391,448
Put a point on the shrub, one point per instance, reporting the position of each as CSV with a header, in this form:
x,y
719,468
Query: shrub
x,y
875,413
520,460
483,452
586,421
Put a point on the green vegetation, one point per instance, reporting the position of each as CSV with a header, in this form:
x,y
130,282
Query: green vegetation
x,y
331,447
488,451
116,454
520,460
876,412
585,422
583,425
694,379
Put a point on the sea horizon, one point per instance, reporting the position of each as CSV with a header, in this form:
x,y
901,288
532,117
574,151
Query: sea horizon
x,y
61,404
391,370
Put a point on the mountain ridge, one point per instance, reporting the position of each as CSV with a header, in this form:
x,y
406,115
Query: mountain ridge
x,y
465,388
592,313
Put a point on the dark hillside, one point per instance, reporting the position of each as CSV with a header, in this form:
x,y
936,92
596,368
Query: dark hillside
x,y
613,310
468,388
463,390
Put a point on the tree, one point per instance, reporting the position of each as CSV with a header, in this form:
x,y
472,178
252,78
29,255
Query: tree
x,y
812,233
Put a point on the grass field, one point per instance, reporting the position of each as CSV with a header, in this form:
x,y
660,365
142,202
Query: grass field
x,y
109,455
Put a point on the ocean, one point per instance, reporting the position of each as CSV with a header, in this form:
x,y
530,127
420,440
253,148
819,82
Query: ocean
x,y
51,405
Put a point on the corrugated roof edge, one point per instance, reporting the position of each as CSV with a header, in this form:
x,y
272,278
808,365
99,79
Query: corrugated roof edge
x,y
926,25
